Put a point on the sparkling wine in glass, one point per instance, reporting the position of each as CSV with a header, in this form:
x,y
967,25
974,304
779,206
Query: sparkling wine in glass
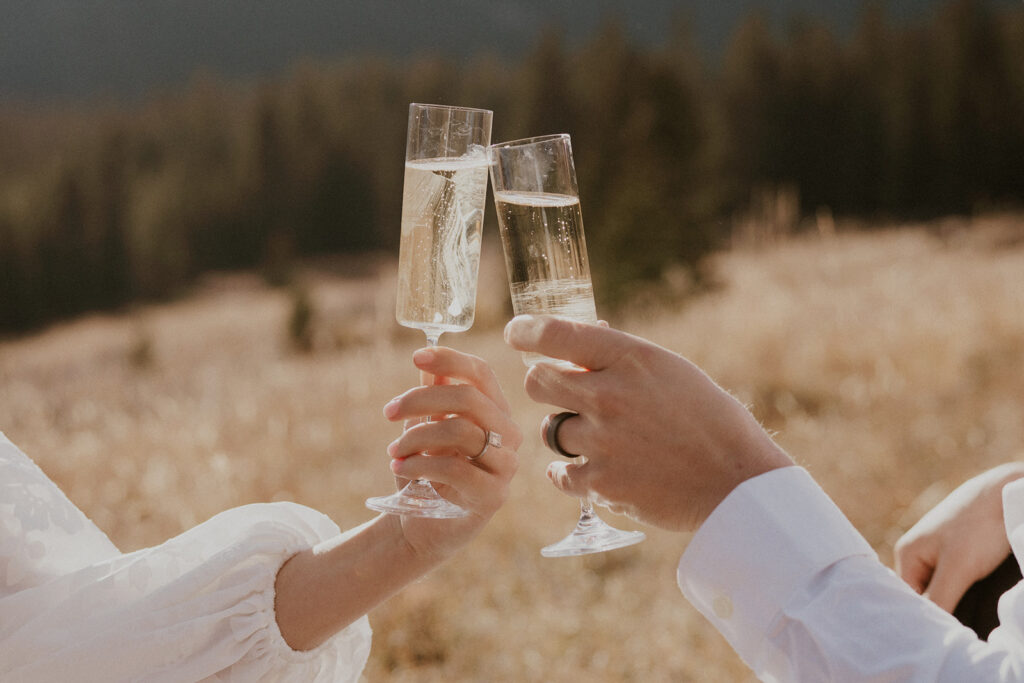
x,y
541,225
445,190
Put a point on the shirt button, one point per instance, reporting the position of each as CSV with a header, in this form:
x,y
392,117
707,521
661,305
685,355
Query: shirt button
x,y
722,607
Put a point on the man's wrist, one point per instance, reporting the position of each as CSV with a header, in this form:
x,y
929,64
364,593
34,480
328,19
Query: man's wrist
x,y
758,460
770,536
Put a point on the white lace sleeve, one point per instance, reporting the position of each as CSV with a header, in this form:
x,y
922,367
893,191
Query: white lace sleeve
x,y
42,534
199,607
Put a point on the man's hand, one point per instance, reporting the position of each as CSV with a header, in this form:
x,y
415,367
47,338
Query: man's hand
x,y
663,443
960,540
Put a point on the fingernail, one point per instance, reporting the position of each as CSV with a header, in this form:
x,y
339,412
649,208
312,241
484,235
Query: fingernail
x,y
517,322
553,469
423,356
391,409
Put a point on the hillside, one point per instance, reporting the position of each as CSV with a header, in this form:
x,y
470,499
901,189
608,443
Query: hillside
x,y
890,363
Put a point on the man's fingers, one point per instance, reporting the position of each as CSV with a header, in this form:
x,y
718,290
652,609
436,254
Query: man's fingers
x,y
567,434
947,586
590,346
915,557
914,571
570,478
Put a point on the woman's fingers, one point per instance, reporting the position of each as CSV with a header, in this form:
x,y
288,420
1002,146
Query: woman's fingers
x,y
465,402
456,399
480,484
449,436
445,362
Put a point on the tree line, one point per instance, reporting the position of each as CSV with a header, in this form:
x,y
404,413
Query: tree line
x,y
102,206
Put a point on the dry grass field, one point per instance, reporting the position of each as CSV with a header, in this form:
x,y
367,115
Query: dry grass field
x,y
890,363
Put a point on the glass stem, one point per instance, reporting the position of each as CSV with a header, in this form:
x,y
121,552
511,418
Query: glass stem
x,y
586,507
432,339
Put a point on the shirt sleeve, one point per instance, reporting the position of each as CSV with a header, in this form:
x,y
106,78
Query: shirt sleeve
x,y
199,607
801,596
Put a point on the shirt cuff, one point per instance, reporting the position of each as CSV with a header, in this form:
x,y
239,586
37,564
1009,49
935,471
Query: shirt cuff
x,y
768,538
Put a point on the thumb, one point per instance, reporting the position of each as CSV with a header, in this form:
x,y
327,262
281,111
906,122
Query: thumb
x,y
570,478
594,347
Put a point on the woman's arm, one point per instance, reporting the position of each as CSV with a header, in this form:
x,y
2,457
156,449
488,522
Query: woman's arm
x,y
324,589
321,590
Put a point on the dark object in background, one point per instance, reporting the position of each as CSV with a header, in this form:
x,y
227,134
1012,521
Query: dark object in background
x,y
977,609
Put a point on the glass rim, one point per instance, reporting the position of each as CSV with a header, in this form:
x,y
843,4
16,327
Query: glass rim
x,y
522,142
453,107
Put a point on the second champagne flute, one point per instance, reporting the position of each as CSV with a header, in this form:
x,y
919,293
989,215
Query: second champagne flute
x,y
443,202
538,205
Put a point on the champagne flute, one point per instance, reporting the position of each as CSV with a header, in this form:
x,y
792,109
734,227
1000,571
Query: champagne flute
x,y
443,201
538,205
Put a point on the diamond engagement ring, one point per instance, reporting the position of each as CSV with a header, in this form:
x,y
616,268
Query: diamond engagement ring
x,y
490,439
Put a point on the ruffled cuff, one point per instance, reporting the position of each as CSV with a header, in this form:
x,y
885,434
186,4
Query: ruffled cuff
x,y
341,658
198,607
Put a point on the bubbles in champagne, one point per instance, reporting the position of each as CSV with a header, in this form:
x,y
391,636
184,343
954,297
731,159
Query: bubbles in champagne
x,y
573,299
442,214
546,256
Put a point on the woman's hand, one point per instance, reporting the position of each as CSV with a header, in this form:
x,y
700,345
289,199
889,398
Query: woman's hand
x,y
323,589
464,406
960,540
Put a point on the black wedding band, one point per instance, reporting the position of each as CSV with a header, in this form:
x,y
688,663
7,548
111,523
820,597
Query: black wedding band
x,y
551,435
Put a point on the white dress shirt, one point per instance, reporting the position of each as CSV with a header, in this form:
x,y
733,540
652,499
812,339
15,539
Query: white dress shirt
x,y
801,596
199,607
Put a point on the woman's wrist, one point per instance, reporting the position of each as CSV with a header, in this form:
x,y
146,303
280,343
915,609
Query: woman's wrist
x,y
403,550
322,590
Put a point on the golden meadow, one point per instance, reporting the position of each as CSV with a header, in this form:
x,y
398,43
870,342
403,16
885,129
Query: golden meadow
x,y
890,363
720,198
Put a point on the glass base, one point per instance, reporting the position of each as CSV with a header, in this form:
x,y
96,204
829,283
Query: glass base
x,y
592,535
417,499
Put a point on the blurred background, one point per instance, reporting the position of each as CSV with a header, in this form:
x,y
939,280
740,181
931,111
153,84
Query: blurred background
x,y
821,202
144,143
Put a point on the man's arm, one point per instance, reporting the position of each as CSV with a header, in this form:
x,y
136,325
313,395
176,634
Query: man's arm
x,y
960,540
801,596
774,564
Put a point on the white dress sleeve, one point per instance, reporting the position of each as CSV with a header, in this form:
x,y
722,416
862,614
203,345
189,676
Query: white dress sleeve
x,y
199,607
801,596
